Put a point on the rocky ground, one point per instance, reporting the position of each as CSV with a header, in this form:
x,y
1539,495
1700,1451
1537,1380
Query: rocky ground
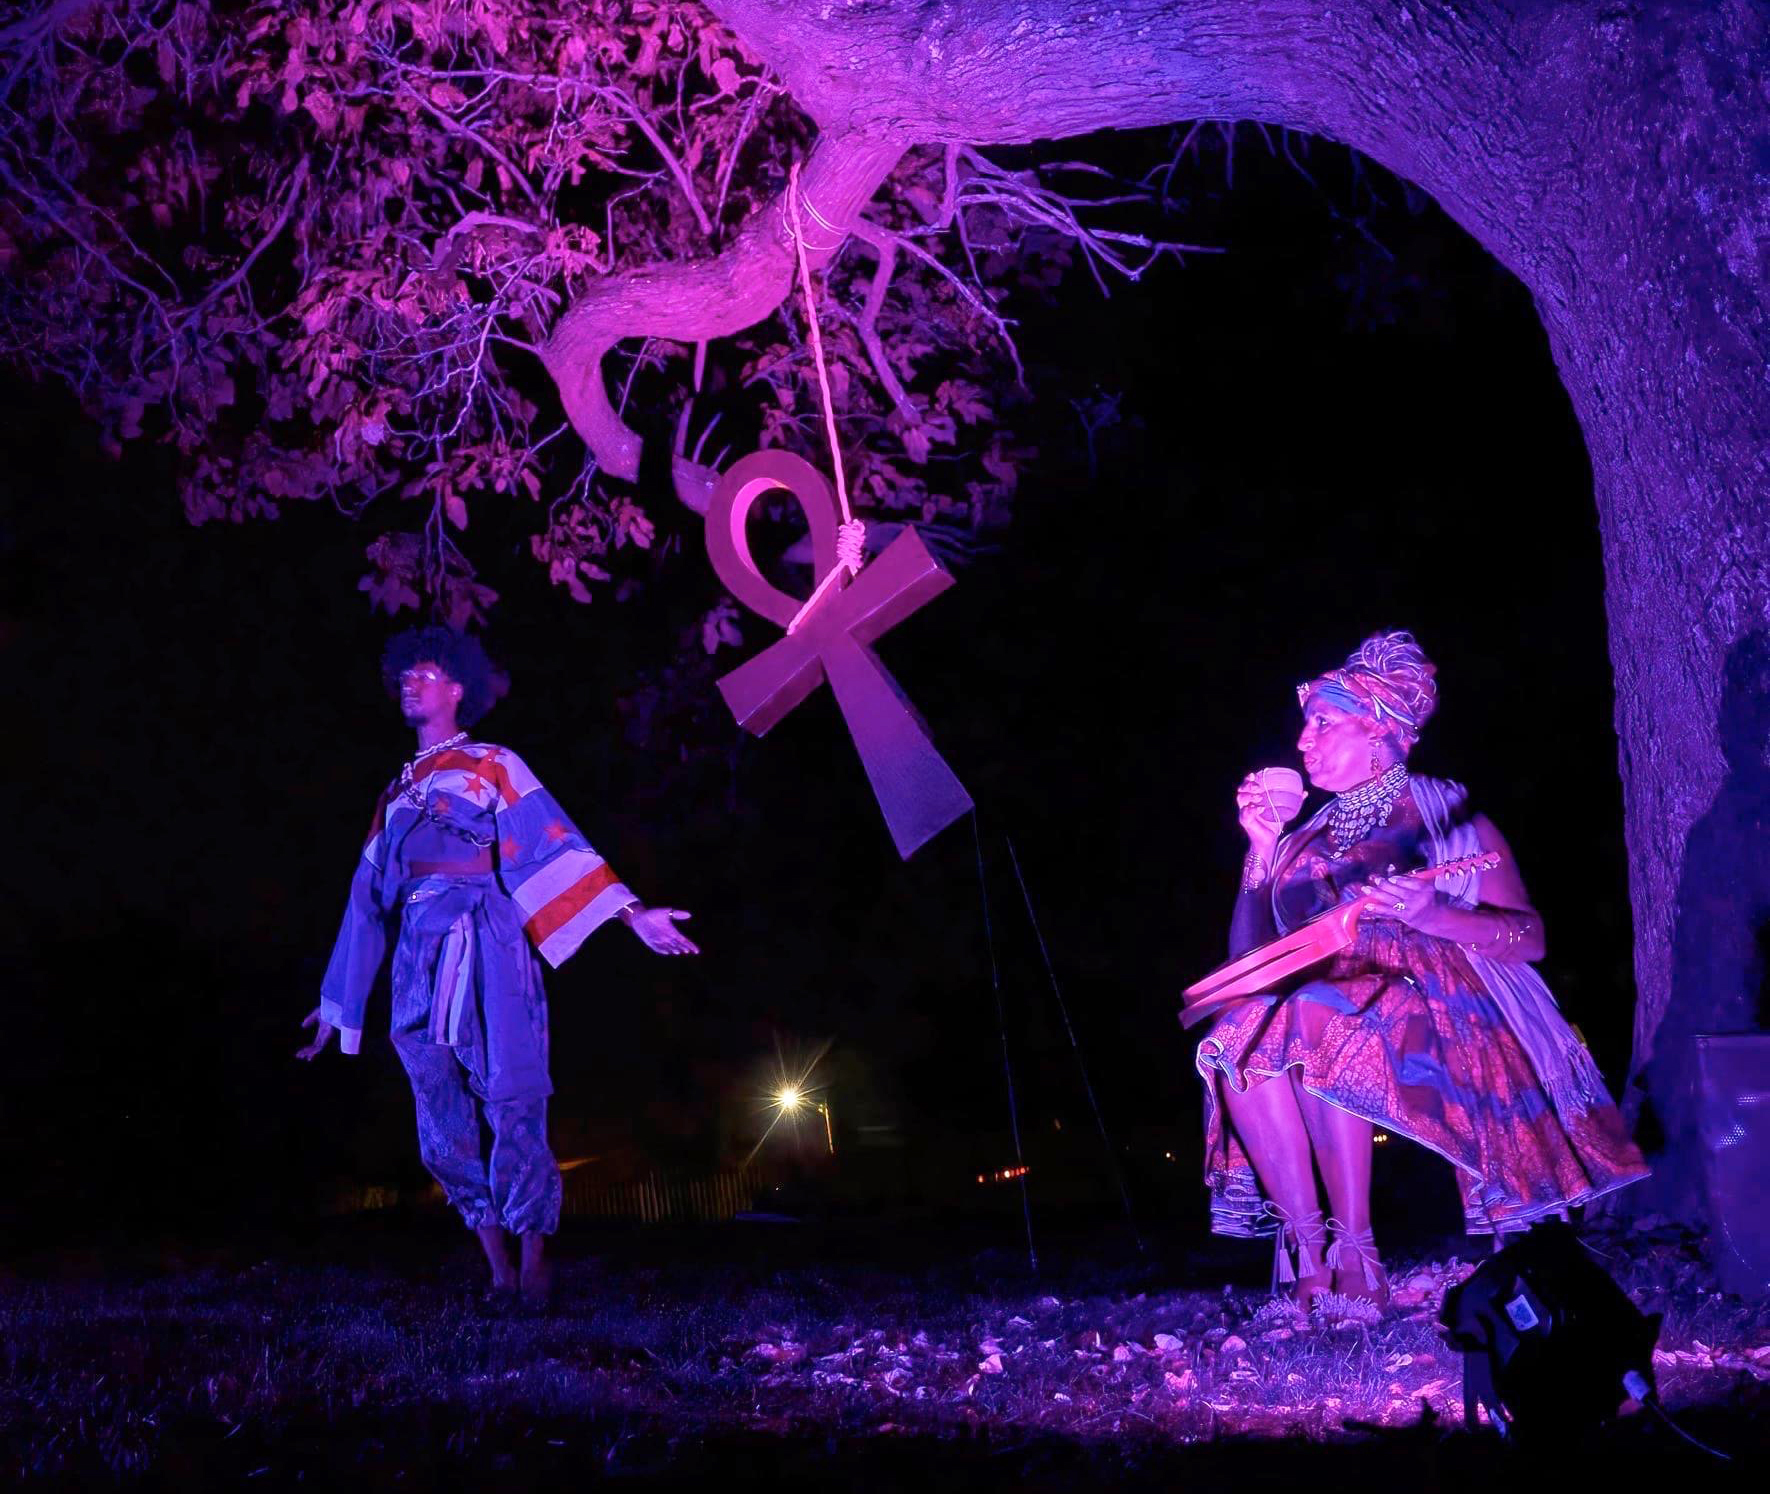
x,y
660,1364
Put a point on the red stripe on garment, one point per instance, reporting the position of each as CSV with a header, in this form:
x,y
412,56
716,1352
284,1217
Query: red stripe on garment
x,y
552,916
486,766
379,823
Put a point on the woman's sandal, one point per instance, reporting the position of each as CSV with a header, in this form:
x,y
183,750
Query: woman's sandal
x,y
1306,1235
1366,1281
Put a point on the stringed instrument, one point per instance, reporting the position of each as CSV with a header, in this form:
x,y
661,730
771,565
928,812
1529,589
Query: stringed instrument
x,y
1326,934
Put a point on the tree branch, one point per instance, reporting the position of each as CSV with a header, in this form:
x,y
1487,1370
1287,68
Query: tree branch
x,y
466,132
693,300
867,323
670,158
34,31
296,182
873,234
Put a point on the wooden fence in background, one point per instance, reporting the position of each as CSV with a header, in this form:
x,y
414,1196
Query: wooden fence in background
x,y
666,1198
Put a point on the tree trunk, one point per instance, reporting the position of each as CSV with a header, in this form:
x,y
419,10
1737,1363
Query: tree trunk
x,y
1605,153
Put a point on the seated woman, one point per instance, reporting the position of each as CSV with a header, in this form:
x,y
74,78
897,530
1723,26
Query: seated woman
x,y
1431,1024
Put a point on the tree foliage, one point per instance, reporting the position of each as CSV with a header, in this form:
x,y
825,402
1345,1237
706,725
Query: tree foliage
x,y
316,249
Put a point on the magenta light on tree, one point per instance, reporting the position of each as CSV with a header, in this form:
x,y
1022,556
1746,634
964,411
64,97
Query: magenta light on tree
x,y
917,791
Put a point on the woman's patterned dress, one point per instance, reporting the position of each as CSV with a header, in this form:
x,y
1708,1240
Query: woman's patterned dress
x,y
1406,1036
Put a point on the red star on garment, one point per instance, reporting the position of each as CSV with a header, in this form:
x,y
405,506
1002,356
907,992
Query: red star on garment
x,y
557,831
439,801
508,847
477,785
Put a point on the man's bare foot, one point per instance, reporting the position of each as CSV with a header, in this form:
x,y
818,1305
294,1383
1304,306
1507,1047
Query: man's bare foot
x,y
491,1240
537,1275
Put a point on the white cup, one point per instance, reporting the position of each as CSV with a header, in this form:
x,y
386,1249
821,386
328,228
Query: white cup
x,y
1282,789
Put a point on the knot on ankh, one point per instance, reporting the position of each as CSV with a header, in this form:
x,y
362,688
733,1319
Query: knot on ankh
x,y
916,790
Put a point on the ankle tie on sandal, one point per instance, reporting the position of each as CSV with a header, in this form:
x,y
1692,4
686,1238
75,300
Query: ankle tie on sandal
x,y
1306,1234
1362,1243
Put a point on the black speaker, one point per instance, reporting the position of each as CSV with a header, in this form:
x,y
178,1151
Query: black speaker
x,y
1551,1345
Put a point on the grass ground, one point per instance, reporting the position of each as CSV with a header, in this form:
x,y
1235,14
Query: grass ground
x,y
369,1359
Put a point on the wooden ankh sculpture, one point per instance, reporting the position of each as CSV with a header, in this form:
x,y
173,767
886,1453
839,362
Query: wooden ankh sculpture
x,y
916,790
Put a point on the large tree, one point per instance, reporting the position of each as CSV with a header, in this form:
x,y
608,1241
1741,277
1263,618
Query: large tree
x,y
1610,155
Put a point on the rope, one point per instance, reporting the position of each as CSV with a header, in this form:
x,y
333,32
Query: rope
x,y
851,534
1363,1244
995,980
1306,1235
1112,1160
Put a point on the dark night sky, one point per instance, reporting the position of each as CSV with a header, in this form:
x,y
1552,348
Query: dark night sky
x,y
1319,441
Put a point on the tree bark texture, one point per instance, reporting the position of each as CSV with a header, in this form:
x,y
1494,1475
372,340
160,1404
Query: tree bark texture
x,y
1610,154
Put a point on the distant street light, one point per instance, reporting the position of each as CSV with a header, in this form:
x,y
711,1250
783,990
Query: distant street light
x,y
789,1100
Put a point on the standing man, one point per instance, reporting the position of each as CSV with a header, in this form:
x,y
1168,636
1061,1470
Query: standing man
x,y
480,869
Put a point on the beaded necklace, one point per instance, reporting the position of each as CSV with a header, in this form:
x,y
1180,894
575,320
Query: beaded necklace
x,y
1359,811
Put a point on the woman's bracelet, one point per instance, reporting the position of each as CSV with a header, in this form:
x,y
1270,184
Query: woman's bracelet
x,y
1253,872
1514,935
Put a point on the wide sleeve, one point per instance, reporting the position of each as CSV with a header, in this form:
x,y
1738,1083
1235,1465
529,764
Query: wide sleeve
x,y
563,888
1251,924
361,944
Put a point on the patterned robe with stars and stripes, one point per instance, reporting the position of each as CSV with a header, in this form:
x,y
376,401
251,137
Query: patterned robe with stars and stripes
x,y
474,800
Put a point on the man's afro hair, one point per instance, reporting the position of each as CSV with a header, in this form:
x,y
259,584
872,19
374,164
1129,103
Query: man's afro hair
x,y
461,656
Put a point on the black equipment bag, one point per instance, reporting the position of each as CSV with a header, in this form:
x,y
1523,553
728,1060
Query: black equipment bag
x,y
1547,1338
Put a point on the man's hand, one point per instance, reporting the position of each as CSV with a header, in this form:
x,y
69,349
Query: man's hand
x,y
322,1035
657,927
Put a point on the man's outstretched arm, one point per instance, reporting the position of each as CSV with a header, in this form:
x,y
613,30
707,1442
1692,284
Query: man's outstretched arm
x,y
350,973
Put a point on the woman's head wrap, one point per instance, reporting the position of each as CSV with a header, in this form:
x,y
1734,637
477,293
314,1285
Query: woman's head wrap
x,y
1388,678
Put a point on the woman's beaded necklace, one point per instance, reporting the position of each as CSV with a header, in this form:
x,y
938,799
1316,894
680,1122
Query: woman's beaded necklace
x,y
1359,811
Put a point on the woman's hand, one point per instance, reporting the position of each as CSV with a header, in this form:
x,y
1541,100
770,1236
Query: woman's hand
x,y
1258,821
657,929
1404,899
